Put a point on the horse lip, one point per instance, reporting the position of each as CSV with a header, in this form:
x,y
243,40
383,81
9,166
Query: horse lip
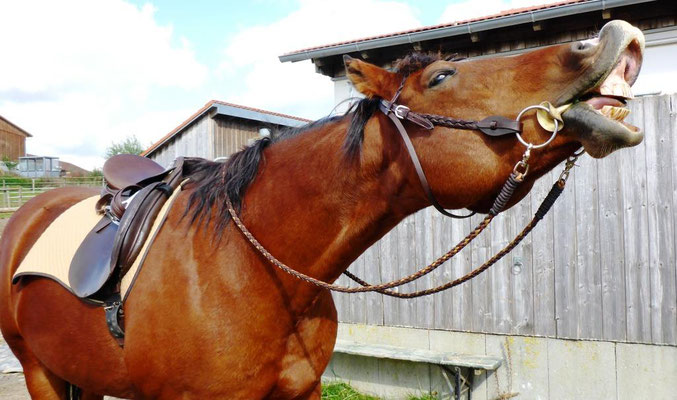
x,y
617,40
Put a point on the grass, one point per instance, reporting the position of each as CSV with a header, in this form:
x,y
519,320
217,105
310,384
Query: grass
x,y
343,391
4,215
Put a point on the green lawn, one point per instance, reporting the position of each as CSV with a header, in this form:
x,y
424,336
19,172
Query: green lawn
x,y
343,391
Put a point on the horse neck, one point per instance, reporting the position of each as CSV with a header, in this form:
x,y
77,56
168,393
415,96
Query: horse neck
x,y
316,209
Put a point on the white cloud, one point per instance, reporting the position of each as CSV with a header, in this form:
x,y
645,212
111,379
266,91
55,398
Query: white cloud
x,y
295,88
470,9
78,74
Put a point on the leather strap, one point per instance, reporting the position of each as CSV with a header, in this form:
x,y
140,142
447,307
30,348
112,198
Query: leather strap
x,y
114,314
492,126
414,159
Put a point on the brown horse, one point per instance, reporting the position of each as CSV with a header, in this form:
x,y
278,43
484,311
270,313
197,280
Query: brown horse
x,y
210,318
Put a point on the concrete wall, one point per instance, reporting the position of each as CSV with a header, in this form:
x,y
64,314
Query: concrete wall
x,y
533,367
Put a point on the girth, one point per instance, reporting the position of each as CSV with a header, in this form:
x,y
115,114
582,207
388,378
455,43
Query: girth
x,y
110,249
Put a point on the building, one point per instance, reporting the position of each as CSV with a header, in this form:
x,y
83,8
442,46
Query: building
x,y
217,130
39,167
12,140
512,32
586,307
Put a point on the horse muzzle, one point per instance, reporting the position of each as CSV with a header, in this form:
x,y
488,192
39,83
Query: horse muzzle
x,y
599,108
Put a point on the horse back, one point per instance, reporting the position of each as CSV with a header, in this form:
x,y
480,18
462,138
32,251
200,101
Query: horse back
x,y
22,231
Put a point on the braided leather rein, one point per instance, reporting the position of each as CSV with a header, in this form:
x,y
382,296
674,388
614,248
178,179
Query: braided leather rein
x,y
494,126
502,199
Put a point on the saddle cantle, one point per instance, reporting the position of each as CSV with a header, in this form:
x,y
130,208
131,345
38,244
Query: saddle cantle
x,y
136,189
125,170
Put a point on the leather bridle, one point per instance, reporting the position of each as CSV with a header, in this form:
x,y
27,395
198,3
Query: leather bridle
x,y
493,126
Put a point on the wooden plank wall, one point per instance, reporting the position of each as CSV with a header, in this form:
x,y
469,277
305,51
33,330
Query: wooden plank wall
x,y
192,142
12,142
231,135
601,265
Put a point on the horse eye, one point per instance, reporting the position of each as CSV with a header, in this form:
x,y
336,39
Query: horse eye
x,y
441,77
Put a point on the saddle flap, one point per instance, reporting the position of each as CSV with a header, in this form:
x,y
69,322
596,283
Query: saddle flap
x,y
90,266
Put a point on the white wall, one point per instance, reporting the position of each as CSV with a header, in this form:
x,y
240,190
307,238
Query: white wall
x,y
659,71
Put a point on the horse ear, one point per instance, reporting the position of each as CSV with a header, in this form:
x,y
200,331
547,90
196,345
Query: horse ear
x,y
369,79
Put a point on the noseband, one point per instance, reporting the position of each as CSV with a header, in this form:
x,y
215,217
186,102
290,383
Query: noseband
x,y
491,126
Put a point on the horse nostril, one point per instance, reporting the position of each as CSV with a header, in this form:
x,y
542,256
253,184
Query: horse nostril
x,y
584,45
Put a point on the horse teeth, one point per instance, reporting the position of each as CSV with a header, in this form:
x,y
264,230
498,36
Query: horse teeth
x,y
615,113
616,89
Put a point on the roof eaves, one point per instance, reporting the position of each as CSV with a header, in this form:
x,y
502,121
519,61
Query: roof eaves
x,y
16,126
436,32
231,110
178,129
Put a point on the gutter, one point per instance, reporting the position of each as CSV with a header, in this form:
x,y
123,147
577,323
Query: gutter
x,y
462,29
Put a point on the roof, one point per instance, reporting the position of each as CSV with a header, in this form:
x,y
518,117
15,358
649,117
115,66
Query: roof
x,y
232,110
73,169
502,19
15,126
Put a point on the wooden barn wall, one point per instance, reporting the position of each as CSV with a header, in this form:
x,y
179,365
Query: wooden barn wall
x,y
193,142
601,265
12,143
569,35
231,135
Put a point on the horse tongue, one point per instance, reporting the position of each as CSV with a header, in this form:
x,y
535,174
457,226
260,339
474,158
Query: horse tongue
x,y
600,101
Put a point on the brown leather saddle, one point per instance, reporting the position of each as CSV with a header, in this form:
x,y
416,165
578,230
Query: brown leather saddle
x,y
136,189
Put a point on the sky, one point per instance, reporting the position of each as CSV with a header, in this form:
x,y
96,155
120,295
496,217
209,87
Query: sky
x,y
81,74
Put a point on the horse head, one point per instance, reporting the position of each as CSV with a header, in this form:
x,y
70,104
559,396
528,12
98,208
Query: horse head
x,y
588,80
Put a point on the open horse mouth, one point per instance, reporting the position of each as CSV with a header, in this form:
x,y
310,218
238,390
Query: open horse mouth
x,y
598,112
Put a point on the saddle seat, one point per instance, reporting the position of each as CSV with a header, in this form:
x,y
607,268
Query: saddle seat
x,y
125,170
135,191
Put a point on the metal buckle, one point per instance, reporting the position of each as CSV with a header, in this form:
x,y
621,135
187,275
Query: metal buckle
x,y
522,167
554,132
109,213
401,111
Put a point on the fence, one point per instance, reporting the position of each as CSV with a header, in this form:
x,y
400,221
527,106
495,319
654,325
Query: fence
x,y
601,265
14,192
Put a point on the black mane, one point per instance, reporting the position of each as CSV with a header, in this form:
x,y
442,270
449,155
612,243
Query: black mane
x,y
214,180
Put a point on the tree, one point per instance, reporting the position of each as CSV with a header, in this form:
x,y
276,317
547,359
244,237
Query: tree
x,y
9,163
95,173
130,145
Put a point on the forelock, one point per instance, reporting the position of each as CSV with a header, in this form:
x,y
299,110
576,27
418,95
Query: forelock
x,y
415,62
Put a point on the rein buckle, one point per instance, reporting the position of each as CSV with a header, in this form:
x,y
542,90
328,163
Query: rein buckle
x,y
401,111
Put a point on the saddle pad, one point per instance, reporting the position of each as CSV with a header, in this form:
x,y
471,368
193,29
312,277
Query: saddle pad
x,y
51,255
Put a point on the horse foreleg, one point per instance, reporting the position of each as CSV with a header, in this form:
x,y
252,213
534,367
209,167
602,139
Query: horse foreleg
x,y
42,384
